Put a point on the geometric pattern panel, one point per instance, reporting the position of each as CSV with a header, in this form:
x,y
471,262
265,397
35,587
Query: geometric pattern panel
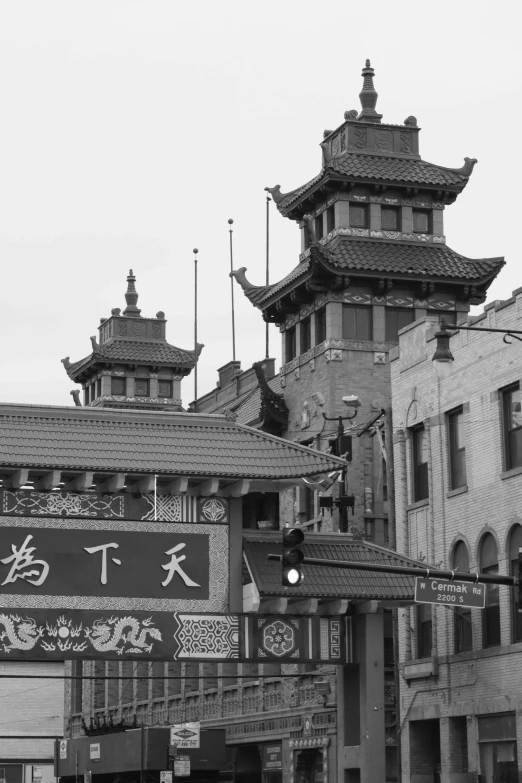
x,y
119,505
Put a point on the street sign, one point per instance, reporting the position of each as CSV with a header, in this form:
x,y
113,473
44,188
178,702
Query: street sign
x,y
442,592
181,766
165,776
63,749
185,735
94,751
87,776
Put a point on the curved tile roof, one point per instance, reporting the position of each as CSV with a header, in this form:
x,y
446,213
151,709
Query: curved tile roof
x,y
182,444
331,582
146,351
408,259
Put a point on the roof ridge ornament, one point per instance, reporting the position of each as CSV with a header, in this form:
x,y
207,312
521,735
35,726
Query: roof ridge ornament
x,y
131,297
368,96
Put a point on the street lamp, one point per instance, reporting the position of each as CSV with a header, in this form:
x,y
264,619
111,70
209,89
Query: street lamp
x,y
443,358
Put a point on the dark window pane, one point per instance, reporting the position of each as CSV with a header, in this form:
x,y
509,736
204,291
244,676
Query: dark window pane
x,y
142,683
424,630
515,541
320,326
306,336
491,614
165,388
512,416
357,323
290,344
330,219
390,218
397,318
76,686
98,387
421,221
358,216
319,227
118,386
141,387
457,450
462,616
420,464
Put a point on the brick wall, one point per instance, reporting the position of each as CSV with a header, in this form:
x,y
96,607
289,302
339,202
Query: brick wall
x,y
30,707
484,680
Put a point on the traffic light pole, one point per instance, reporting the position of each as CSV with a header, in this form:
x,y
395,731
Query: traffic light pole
x,y
343,512
426,573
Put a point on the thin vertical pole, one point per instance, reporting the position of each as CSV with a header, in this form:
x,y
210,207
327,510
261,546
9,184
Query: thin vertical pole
x,y
230,222
195,329
268,200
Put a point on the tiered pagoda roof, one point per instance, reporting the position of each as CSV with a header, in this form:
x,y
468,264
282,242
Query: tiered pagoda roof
x,y
366,161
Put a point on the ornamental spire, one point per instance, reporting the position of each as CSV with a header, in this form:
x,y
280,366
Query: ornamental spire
x,y
131,297
368,96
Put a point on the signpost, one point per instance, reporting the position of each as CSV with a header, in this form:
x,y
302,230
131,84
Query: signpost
x,y
165,776
185,735
181,766
439,591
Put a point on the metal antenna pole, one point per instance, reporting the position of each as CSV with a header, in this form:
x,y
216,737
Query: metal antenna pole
x,y
195,251
232,295
268,200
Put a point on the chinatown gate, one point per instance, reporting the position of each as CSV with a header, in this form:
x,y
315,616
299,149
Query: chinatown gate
x,y
121,540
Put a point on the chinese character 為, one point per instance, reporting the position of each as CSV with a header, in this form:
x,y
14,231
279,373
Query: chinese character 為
x,y
23,558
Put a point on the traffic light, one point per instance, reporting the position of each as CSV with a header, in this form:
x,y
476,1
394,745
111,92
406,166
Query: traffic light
x,y
293,556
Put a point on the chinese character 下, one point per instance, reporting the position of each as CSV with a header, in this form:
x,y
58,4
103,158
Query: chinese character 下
x,y
103,548
23,558
174,567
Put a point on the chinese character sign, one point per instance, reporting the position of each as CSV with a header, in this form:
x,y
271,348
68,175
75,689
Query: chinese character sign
x,y
158,565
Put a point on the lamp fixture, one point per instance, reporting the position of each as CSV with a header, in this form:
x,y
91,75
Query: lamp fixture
x,y
443,358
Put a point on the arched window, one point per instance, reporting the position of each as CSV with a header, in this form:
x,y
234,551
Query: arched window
x,y
463,627
515,540
491,614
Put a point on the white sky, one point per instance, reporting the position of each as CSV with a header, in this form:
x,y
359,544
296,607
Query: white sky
x,y
132,131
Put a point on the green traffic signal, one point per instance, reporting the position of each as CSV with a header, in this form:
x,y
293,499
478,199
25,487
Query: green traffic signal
x,y
292,558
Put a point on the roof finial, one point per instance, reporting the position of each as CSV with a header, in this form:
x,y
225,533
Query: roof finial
x,y
131,297
368,96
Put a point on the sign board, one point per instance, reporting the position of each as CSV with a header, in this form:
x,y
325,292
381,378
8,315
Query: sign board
x,y
272,756
63,749
37,773
146,566
87,776
181,766
165,776
445,593
94,751
185,735
52,634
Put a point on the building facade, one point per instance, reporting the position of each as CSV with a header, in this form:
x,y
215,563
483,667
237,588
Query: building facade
x,y
458,470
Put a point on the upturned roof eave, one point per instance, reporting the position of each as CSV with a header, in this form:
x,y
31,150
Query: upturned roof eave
x,y
84,364
330,175
497,264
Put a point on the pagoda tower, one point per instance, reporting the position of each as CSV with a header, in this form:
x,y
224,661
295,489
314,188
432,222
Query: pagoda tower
x,y
373,259
132,365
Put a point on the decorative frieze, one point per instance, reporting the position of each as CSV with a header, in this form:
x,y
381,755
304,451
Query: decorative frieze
x,y
379,357
122,399
334,356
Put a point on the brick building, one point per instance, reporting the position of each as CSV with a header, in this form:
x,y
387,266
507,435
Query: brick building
x,y
458,471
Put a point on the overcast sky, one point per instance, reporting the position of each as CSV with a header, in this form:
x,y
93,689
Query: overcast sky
x,y
132,131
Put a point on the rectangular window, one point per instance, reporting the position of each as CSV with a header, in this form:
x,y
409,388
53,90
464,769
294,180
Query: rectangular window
x,y
420,463
76,686
421,221
357,322
358,215
457,449
320,326
390,219
424,640
86,396
141,387
512,421
397,318
305,335
491,614
290,344
165,388
118,386
463,629
319,227
330,219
